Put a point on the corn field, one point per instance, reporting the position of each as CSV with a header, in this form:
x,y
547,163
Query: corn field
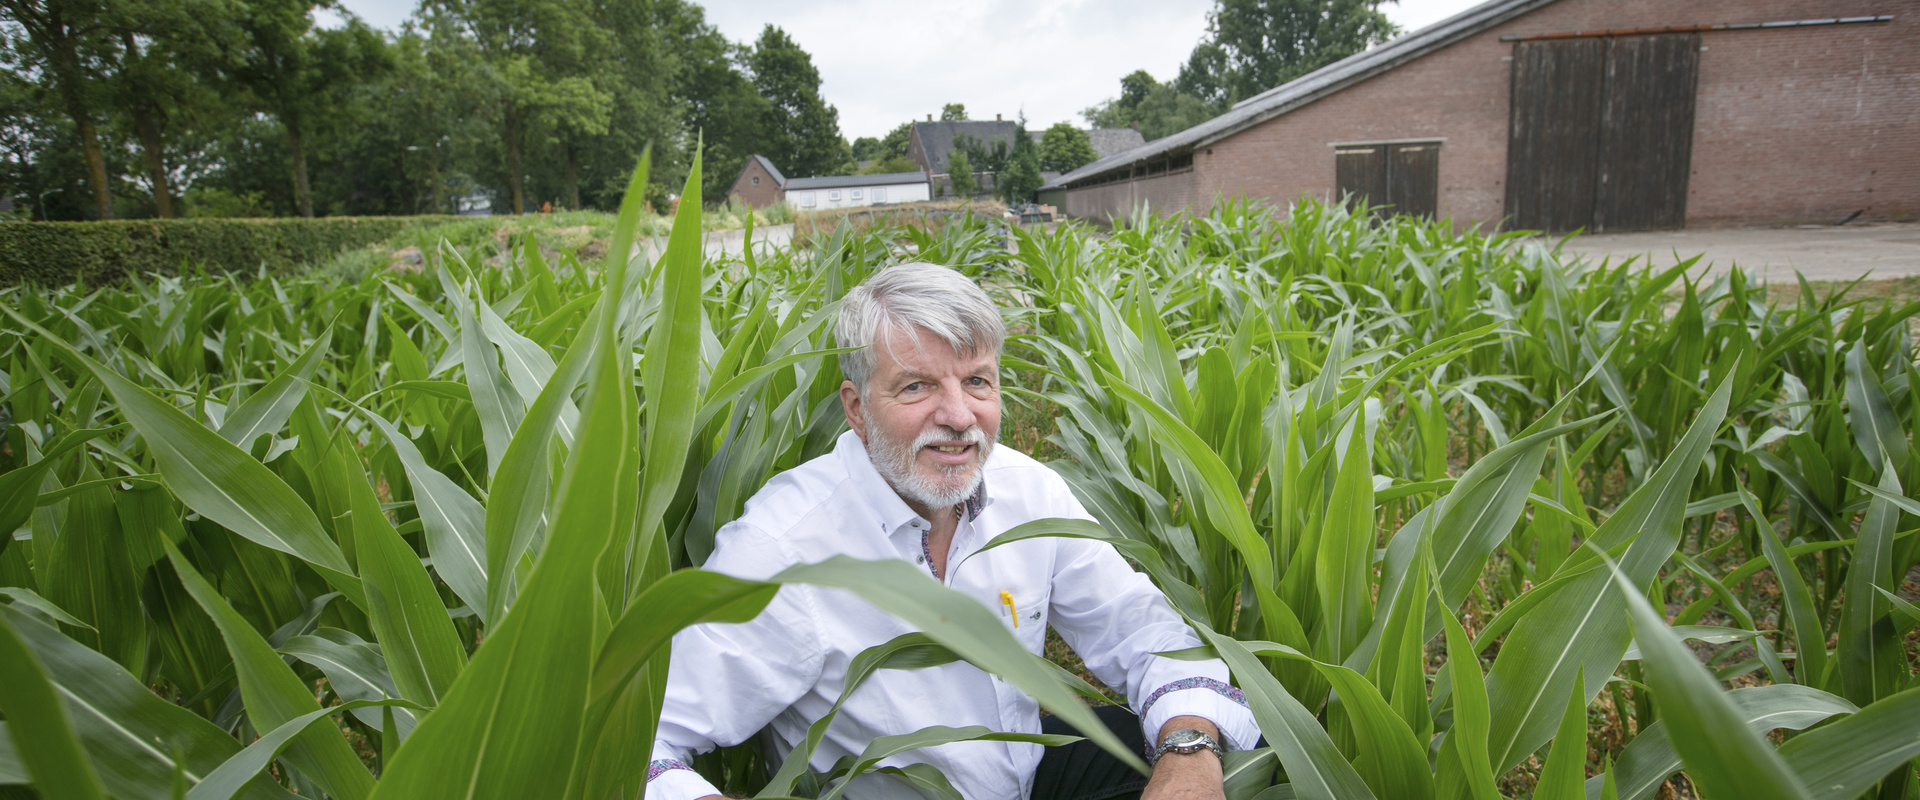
x,y
1466,519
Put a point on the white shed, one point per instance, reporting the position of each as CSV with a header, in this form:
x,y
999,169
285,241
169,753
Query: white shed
x,y
844,191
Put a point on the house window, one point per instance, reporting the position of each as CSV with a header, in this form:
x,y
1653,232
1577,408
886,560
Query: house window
x,y
806,199
833,195
756,180
856,194
880,195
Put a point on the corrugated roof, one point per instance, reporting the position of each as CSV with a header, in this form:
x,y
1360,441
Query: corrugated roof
x,y
778,179
844,181
1313,86
937,138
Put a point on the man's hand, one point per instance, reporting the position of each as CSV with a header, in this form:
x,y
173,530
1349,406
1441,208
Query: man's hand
x,y
1192,776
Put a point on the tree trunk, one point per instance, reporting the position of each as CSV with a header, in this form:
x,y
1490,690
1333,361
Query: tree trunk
x,y
512,118
433,174
67,70
156,168
573,178
297,141
148,126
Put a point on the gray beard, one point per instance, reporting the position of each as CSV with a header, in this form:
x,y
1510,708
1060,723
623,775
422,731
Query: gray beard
x,y
894,459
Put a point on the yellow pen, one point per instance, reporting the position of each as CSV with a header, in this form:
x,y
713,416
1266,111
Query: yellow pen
x,y
1006,599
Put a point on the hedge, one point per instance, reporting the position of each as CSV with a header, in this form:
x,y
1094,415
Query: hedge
x,y
59,253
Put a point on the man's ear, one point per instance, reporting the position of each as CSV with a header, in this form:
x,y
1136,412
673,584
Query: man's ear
x,y
850,402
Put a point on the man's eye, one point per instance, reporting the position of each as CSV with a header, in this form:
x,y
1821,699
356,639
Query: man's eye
x,y
915,386
976,381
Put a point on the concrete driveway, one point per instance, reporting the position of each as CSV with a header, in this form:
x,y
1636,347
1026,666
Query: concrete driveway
x,y
1822,253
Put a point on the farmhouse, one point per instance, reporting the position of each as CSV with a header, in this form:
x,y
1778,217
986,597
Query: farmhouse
x,y
1608,115
843,191
759,184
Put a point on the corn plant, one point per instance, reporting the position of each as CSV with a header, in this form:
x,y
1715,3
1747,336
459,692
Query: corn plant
x,y
1458,511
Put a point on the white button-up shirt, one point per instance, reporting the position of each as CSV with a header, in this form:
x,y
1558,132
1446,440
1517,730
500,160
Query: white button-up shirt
x,y
786,667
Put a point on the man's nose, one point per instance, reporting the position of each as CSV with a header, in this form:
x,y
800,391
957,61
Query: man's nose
x,y
953,411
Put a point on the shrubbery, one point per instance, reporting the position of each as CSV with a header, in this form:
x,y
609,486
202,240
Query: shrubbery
x,y
58,253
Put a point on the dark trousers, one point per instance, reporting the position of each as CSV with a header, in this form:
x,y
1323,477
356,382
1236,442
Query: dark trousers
x,y
1083,771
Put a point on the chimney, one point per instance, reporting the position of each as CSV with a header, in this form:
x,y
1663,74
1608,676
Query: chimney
x,y
996,118
929,117
1134,125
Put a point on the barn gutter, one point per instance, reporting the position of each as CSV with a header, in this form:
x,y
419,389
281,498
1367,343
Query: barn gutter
x,y
1724,26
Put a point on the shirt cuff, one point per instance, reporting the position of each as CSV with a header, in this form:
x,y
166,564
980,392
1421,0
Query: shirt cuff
x,y
1210,699
672,779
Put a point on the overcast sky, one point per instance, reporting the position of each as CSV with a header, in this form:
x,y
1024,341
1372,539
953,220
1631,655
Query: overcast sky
x,y
883,62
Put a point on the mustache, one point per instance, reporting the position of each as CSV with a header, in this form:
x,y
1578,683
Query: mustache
x,y
942,433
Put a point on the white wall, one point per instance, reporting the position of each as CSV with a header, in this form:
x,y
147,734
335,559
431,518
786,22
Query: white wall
x,y
824,198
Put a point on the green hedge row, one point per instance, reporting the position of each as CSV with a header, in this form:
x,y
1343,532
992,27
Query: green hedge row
x,y
59,253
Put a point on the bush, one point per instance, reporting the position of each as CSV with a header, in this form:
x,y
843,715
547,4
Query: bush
x,y
59,253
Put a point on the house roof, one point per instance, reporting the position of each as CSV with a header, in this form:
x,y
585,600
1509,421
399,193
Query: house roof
x,y
778,179
1312,86
1114,141
937,138
846,181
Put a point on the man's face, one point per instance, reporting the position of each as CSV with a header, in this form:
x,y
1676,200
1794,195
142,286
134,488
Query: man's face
x,y
929,417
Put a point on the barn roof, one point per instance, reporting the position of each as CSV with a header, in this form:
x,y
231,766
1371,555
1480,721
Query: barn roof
x,y
845,181
778,179
1114,141
1310,87
937,137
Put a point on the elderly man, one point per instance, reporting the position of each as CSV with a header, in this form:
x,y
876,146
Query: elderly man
x,y
919,478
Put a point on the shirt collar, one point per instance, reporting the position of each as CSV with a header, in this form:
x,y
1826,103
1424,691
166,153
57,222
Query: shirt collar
x,y
879,495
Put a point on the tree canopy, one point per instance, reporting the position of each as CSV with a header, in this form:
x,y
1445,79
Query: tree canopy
x,y
1065,148
1250,46
139,108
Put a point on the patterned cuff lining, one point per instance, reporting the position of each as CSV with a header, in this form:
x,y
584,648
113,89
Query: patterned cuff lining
x,y
1223,689
660,767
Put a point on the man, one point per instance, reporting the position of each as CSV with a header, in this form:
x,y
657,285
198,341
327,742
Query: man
x,y
919,478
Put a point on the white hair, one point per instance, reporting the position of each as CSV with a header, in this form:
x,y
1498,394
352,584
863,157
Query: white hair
x,y
916,295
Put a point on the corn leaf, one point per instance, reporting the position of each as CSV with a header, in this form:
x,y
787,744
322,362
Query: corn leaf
x,y
50,751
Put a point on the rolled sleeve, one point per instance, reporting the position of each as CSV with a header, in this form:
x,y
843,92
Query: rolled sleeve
x,y
1116,619
671,777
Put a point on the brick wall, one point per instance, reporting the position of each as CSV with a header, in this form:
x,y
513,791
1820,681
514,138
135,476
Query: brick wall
x,y
766,194
1798,124
1164,194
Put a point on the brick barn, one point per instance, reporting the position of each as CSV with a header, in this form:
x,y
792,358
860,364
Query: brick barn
x,y
760,183
1562,114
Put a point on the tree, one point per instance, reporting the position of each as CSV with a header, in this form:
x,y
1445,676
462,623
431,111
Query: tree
x,y
66,42
1255,45
521,42
960,174
866,148
299,75
953,112
895,142
723,109
1065,148
802,131
890,165
1156,109
1022,178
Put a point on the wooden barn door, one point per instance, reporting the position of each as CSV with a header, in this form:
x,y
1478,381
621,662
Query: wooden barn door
x,y
1397,178
1600,134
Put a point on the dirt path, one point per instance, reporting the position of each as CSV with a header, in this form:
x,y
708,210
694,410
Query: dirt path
x,y
1822,253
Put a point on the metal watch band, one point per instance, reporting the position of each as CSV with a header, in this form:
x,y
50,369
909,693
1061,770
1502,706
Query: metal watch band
x,y
1184,741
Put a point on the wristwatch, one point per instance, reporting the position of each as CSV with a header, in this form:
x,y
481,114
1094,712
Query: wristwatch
x,y
1185,741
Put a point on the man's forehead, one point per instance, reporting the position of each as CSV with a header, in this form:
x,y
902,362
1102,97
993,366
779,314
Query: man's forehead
x,y
918,351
